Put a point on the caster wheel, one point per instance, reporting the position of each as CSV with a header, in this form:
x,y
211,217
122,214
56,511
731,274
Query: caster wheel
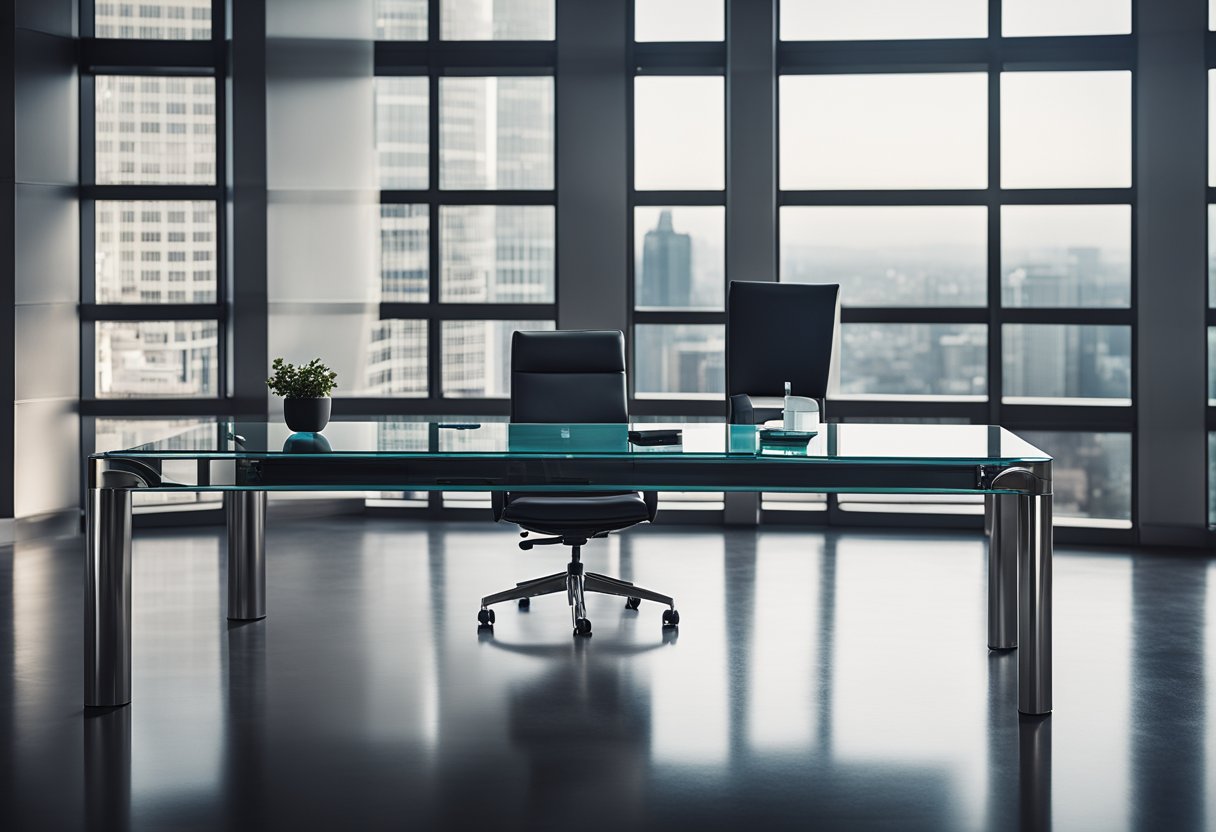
x,y
671,618
582,627
486,618
525,603
632,603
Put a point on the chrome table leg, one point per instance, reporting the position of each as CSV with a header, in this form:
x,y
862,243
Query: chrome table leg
x,y
246,512
1034,603
107,616
1003,572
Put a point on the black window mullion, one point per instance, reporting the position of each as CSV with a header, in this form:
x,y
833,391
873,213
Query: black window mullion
x,y
434,325
914,315
679,316
219,42
153,311
150,408
468,311
995,383
482,197
117,56
191,193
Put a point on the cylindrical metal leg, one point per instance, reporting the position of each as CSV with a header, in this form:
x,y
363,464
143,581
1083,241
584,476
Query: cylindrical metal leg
x,y
1003,573
107,616
246,555
1034,773
989,506
1034,603
107,769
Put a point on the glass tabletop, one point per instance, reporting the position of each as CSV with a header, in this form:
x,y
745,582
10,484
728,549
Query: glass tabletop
x,y
919,443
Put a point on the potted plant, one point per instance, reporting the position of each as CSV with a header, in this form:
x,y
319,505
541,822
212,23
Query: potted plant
x,y
305,391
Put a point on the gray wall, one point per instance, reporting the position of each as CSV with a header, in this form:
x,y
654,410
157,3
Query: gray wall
x,y
40,270
592,172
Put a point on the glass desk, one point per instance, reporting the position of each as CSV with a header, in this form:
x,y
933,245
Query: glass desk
x,y
249,459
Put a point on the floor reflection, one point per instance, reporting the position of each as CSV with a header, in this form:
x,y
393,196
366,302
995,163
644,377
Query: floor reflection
x,y
107,769
1168,652
836,678
1092,648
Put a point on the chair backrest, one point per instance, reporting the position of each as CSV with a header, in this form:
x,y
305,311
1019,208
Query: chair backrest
x,y
779,332
568,376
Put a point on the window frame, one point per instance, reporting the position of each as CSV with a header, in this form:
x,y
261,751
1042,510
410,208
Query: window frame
x,y
1210,311
993,55
671,59
434,59
162,59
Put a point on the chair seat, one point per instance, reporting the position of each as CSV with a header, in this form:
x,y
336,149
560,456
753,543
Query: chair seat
x,y
557,512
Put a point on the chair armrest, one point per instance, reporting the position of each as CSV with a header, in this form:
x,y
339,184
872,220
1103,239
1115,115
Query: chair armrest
x,y
498,502
651,498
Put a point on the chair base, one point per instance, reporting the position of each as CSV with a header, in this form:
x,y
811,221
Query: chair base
x,y
576,583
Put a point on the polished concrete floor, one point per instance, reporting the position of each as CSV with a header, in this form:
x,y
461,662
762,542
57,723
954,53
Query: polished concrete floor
x,y
829,681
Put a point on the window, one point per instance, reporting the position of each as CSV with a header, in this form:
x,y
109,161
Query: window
x,y
1066,129
903,360
109,286
496,19
679,216
679,133
150,174
679,257
884,131
402,139
172,160
883,19
154,21
679,20
465,156
960,295
157,359
496,133
680,360
889,255
1021,18
1091,475
476,357
405,253
1066,255
1066,361
401,19
496,254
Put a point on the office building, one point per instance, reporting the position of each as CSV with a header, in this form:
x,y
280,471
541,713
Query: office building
x,y
1015,200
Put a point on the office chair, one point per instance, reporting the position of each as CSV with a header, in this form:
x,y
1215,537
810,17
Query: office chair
x,y
572,377
778,332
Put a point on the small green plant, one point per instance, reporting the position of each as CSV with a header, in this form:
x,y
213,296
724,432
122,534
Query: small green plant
x,y
311,381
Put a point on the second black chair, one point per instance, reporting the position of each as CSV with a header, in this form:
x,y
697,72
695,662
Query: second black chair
x,y
572,377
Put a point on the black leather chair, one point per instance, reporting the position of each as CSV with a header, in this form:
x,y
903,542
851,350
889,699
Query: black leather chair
x,y
777,332
572,377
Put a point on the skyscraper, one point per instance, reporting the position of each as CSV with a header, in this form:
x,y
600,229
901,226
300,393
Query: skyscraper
x,y
666,279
